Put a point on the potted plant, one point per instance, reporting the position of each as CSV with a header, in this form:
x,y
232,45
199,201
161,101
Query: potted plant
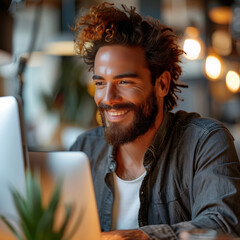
x,y
36,221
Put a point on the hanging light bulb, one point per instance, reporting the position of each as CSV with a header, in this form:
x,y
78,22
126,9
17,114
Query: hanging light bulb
x,y
233,81
213,67
192,46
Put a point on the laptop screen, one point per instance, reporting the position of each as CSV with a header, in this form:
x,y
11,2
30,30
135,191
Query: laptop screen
x,y
12,155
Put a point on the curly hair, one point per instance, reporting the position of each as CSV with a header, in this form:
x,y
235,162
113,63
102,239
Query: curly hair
x,y
105,24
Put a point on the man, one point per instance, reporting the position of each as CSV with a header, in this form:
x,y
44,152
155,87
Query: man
x,y
155,173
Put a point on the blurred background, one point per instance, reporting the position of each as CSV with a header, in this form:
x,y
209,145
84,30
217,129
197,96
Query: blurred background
x,y
37,61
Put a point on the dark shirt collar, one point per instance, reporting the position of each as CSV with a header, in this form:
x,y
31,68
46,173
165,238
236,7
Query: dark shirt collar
x,y
161,135
159,140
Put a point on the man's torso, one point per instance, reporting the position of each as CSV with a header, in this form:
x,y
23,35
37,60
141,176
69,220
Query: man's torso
x,y
174,162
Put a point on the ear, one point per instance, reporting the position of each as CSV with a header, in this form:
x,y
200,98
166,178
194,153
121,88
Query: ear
x,y
162,84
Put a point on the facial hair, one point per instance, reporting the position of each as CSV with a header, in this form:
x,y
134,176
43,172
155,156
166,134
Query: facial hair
x,y
144,118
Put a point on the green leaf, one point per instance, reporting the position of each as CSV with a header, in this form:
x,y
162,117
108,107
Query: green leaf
x,y
33,194
68,213
46,222
29,209
23,213
11,227
76,225
52,207
20,205
45,225
55,196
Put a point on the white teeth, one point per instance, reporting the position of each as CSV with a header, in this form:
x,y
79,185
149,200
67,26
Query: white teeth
x,y
116,113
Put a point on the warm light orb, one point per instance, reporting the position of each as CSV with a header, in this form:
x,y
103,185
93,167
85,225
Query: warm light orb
x,y
213,67
233,81
192,32
192,48
222,42
221,15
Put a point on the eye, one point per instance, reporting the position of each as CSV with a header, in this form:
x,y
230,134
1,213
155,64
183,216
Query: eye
x,y
99,83
125,82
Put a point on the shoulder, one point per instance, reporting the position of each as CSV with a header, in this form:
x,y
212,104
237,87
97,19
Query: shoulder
x,y
88,138
203,142
92,133
92,142
95,132
205,125
200,132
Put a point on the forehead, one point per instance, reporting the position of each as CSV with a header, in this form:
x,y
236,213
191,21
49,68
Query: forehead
x,y
120,58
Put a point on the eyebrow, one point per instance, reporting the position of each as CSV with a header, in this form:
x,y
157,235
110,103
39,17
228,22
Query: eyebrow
x,y
123,75
97,77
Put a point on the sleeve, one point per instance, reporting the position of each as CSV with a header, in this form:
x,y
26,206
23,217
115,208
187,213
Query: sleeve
x,y
215,189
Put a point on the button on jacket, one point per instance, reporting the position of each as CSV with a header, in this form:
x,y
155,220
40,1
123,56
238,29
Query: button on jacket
x,y
192,180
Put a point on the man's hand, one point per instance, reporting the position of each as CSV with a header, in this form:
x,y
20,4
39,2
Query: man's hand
x,y
124,235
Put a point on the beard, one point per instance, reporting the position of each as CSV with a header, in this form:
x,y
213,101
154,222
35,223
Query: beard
x,y
144,118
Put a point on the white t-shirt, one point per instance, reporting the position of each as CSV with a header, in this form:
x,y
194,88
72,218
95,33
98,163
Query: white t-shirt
x,y
126,203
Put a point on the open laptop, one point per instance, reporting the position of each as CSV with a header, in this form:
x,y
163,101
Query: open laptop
x,y
77,188
72,166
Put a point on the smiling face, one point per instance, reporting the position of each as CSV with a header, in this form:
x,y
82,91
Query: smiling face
x,y
124,94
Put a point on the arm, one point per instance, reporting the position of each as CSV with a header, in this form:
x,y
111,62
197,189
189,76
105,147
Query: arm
x,y
215,189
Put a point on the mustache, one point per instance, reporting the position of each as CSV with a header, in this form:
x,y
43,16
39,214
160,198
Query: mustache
x,y
117,106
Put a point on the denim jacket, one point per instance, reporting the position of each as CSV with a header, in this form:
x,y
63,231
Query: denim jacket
x,y
192,180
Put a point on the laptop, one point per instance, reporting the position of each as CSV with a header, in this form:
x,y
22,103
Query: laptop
x,y
72,167
77,188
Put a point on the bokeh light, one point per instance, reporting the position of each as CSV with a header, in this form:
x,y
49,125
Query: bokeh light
x,y
222,42
192,48
213,67
233,81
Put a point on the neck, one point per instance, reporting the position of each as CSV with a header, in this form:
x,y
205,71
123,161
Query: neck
x,y
130,155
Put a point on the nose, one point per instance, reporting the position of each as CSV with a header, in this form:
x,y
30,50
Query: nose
x,y
111,94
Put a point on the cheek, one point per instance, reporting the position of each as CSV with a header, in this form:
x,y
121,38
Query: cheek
x,y
137,95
